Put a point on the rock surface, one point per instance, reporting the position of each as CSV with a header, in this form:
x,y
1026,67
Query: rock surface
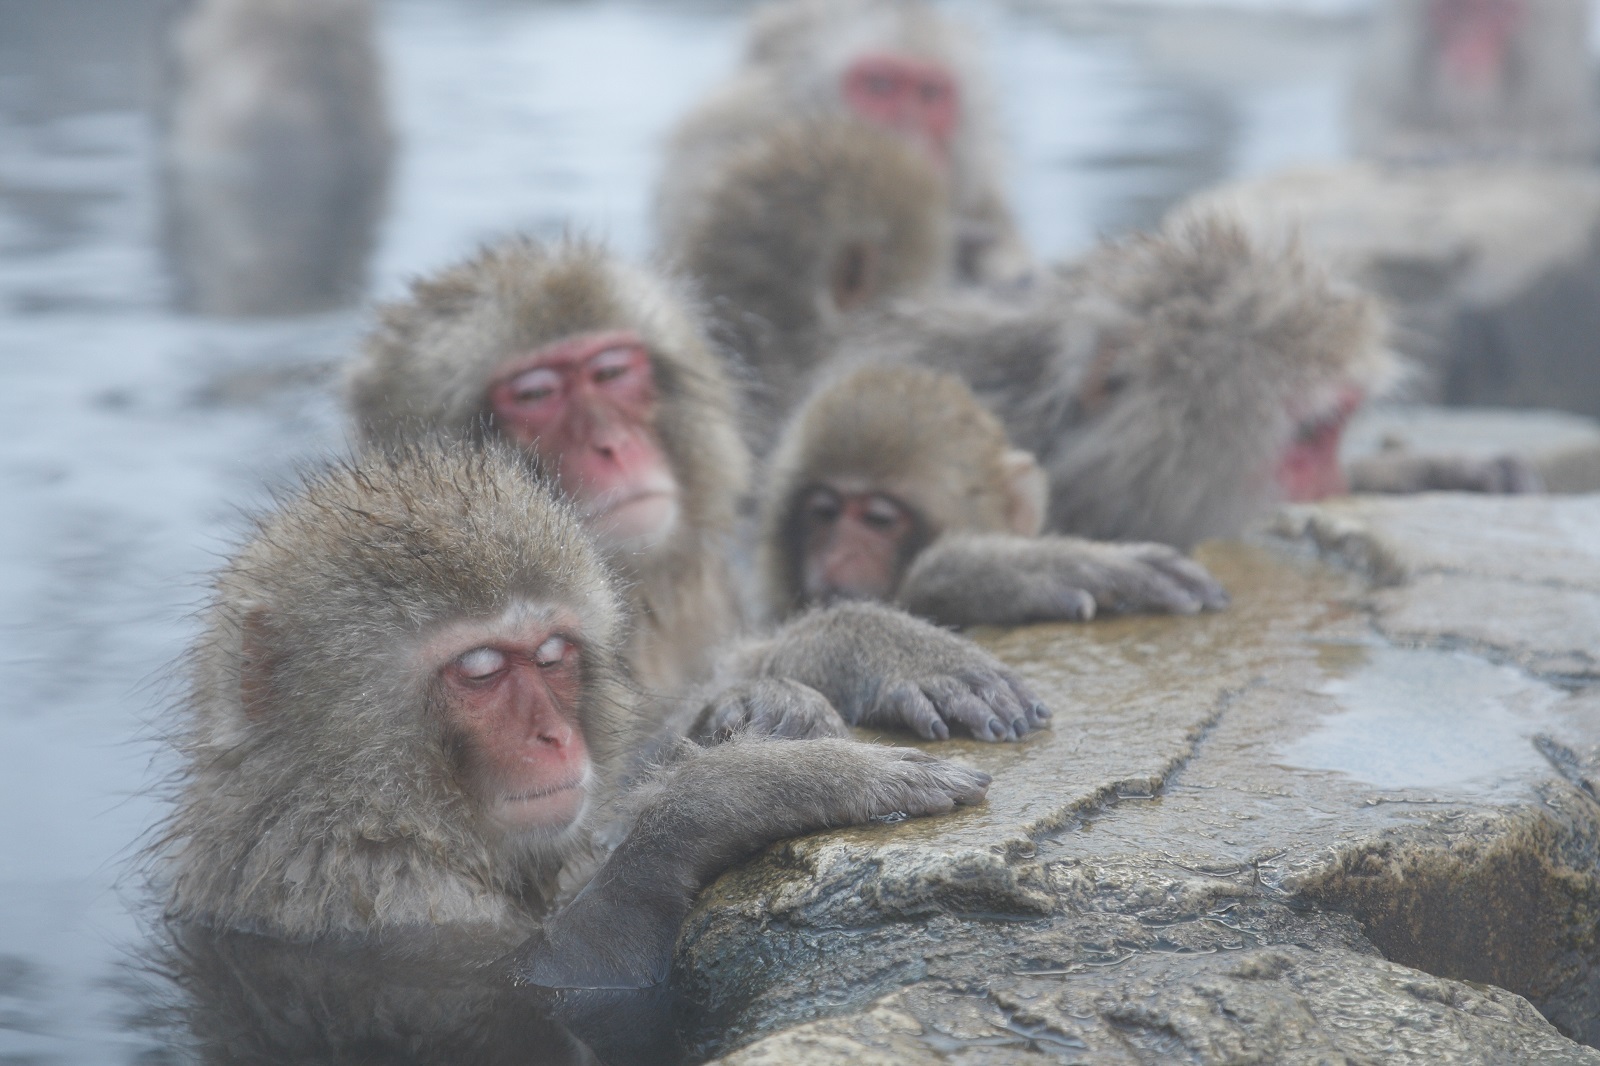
x,y
1493,271
1353,819
1564,448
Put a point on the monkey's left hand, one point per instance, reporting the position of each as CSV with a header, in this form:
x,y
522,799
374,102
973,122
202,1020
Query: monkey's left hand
x,y
882,668
769,707
997,579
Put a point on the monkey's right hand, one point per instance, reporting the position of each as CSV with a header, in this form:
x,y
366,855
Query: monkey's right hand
x,y
768,707
884,669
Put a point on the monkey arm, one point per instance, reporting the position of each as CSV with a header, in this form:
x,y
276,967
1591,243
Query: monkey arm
x,y
1394,472
882,668
714,808
1001,579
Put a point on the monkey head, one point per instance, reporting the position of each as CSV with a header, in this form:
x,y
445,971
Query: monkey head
x,y
404,704
807,222
1210,378
875,467
595,369
896,64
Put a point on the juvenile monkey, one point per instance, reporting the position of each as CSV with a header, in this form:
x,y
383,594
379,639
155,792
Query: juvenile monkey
x,y
407,718
800,226
275,154
1457,79
895,64
894,483
602,374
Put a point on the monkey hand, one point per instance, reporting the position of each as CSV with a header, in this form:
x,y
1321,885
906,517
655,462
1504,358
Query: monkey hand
x,y
771,707
714,808
997,579
1396,472
884,669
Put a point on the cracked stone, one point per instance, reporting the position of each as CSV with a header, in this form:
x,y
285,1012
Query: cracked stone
x,y
1353,819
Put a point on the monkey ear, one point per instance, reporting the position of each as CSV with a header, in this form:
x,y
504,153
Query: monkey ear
x,y
256,662
1027,492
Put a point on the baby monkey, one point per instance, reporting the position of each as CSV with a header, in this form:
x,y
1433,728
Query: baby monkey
x,y
895,483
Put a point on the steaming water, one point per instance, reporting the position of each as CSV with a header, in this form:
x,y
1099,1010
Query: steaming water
x,y
133,435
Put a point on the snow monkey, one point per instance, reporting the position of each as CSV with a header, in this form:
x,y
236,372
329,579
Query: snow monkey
x,y
801,226
895,64
408,716
275,154
1176,385
602,374
894,483
1453,79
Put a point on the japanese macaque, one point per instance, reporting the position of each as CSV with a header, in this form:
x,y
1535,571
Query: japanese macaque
x,y
275,154
801,226
407,717
1457,79
894,483
897,65
602,375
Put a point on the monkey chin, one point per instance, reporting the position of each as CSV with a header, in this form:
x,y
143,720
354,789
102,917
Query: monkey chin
x,y
546,813
636,523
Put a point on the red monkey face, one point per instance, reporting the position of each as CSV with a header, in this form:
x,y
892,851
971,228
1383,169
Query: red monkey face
x,y
510,706
913,97
855,544
1474,38
586,406
1309,467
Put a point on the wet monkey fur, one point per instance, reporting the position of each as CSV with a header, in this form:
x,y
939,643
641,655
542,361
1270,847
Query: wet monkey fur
x,y
894,483
407,714
601,374
897,65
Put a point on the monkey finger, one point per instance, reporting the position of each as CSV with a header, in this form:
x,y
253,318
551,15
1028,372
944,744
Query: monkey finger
x,y
903,705
1067,602
931,785
957,703
1013,713
1038,713
1196,579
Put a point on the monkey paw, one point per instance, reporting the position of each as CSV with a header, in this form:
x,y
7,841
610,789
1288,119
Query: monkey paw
x,y
771,707
913,784
1155,578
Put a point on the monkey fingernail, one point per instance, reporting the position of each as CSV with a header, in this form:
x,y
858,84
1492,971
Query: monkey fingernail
x,y
1041,712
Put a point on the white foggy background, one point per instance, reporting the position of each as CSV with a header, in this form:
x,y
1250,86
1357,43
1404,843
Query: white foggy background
x,y
133,436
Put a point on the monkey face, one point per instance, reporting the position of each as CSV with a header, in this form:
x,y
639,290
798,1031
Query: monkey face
x,y
855,542
1308,468
510,694
916,98
1474,40
586,406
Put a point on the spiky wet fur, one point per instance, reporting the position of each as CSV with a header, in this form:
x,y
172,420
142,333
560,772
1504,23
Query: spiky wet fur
x,y
919,434
1215,347
426,367
330,803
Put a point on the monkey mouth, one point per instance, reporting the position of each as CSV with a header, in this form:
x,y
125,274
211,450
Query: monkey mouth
x,y
634,521
555,807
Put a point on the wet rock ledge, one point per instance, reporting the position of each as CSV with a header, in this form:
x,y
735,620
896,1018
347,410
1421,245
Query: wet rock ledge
x,y
1352,820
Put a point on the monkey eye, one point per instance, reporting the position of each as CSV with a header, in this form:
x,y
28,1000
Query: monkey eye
x,y
823,506
611,364
934,92
534,385
480,664
880,84
881,513
551,652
